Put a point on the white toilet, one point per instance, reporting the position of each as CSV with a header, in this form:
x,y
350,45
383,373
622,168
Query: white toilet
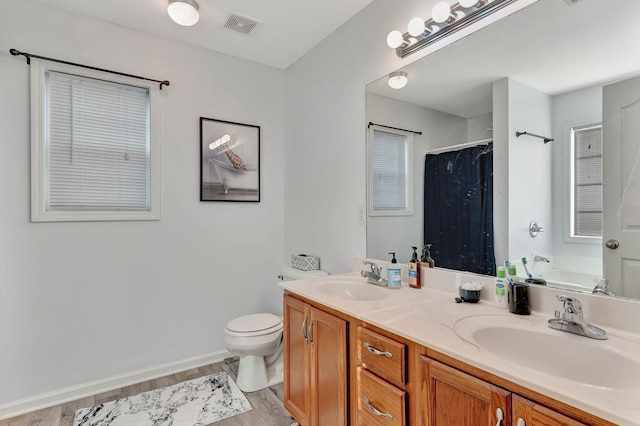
x,y
257,340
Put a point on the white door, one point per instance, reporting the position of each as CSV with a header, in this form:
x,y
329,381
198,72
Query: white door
x,y
621,147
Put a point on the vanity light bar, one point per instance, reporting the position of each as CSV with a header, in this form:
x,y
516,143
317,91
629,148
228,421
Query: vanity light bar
x,y
460,16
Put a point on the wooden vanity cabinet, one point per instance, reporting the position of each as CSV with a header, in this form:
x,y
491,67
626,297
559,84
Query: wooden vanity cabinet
x,y
315,364
528,413
451,397
333,362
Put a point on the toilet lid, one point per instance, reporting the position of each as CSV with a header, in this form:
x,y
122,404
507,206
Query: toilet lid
x,y
253,323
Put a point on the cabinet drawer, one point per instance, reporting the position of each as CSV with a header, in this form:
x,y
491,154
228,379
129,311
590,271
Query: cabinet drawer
x,y
382,355
379,403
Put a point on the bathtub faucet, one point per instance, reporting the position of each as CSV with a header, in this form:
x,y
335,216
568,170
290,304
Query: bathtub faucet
x,y
537,258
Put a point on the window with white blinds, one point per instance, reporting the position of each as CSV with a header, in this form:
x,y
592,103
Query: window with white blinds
x,y
94,150
390,173
587,181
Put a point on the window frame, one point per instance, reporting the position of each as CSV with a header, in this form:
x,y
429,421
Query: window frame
x,y
409,181
569,181
39,149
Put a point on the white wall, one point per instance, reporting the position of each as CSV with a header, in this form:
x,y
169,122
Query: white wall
x,y
84,301
529,171
397,233
569,108
478,127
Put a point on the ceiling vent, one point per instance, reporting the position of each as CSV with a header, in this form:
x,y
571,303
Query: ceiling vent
x,y
240,23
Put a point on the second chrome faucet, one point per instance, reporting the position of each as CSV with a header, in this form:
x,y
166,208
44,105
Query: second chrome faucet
x,y
572,320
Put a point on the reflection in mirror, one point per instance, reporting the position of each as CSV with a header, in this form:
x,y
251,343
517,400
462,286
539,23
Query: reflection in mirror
x,y
554,70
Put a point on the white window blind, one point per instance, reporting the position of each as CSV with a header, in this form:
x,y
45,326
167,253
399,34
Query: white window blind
x,y
390,171
587,142
98,145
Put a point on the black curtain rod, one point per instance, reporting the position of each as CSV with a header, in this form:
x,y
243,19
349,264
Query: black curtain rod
x,y
16,52
546,139
371,123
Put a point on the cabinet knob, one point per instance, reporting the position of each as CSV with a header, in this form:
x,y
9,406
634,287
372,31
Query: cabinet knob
x,y
499,416
377,352
521,422
375,411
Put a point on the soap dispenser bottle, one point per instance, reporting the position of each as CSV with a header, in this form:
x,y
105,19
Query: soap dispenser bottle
x,y
500,288
394,273
414,270
426,256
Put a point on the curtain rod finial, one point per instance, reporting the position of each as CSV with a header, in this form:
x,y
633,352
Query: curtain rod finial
x,y
14,52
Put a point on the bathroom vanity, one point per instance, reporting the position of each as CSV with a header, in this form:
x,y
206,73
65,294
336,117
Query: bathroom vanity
x,y
365,355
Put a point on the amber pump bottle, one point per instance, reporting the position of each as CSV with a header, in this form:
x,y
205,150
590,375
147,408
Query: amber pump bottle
x,y
414,270
426,256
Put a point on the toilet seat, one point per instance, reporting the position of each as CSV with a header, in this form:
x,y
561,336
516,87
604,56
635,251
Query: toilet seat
x,y
254,325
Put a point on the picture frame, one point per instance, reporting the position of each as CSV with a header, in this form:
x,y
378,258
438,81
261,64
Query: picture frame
x,y
229,161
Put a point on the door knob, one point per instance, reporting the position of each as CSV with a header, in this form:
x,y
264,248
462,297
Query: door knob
x,y
612,244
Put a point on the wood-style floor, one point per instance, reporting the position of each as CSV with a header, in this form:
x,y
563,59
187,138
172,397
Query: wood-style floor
x,y
267,403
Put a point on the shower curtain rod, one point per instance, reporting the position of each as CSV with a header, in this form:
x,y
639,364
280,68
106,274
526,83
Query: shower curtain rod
x,y
28,56
459,146
371,123
546,139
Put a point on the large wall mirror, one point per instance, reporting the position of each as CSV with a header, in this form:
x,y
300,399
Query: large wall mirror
x,y
568,209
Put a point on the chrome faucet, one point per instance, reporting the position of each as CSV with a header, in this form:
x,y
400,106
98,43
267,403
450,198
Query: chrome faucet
x,y
601,288
537,258
571,320
373,276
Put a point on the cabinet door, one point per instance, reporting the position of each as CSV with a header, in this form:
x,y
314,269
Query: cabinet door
x,y
328,341
528,413
453,398
297,394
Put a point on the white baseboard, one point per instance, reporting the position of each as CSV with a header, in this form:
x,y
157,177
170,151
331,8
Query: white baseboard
x,y
71,393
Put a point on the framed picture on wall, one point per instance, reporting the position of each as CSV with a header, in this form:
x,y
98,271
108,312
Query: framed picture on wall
x,y
229,161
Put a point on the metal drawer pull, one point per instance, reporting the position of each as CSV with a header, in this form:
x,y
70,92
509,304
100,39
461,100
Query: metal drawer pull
x,y
375,411
310,331
377,352
304,330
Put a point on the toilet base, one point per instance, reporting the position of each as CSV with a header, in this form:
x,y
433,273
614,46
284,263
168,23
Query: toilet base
x,y
253,375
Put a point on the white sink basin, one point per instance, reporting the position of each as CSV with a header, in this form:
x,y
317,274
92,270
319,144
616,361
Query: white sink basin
x,y
610,364
354,291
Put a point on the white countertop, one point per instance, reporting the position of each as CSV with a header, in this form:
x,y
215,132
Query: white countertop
x,y
432,318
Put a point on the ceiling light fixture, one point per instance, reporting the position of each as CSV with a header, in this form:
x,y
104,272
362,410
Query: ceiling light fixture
x,y
398,79
184,12
445,20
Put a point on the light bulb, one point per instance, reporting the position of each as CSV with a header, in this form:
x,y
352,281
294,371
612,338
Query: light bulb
x,y
394,39
441,12
398,79
184,12
469,3
416,26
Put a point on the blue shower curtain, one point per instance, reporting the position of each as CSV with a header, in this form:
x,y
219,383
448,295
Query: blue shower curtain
x,y
458,209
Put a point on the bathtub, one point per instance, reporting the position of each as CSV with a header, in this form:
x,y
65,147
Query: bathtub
x,y
569,280
232,178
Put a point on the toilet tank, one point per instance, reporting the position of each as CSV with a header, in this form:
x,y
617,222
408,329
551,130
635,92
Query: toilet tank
x,y
290,274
